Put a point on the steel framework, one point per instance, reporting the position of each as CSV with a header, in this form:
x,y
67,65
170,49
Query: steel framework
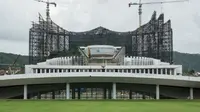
x,y
46,37
153,39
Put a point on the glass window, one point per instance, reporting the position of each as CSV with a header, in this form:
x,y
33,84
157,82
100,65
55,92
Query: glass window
x,y
64,70
146,71
38,70
125,70
138,71
77,70
159,71
155,71
51,70
47,70
56,70
60,70
150,71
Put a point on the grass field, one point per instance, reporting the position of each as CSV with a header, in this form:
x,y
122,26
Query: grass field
x,y
99,106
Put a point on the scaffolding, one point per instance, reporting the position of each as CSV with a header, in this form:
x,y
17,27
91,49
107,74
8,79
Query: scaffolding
x,y
153,39
45,39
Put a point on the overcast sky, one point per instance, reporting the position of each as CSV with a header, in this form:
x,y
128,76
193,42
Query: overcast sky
x,y
83,15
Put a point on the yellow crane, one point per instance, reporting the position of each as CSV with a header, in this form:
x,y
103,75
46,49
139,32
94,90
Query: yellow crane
x,y
140,4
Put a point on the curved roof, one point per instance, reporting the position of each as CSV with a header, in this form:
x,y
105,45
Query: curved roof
x,y
169,80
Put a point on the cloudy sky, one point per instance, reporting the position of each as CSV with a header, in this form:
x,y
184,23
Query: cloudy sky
x,y
83,15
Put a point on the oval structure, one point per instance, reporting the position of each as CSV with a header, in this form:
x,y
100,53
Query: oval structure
x,y
100,50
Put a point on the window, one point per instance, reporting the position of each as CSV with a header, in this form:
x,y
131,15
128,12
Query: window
x,y
155,71
90,70
164,71
150,71
129,70
159,71
133,70
137,70
116,70
56,70
77,70
142,70
68,70
38,70
168,71
146,71
60,70
125,70
47,70
103,70
51,70
64,70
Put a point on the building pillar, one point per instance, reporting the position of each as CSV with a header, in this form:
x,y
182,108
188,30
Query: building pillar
x,y
67,91
25,92
36,71
114,91
157,92
161,71
175,71
191,94
157,71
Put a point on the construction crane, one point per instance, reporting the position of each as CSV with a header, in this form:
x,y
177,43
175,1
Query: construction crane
x,y
10,71
150,3
47,10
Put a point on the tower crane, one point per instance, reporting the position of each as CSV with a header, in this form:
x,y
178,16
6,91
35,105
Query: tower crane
x,y
47,10
150,3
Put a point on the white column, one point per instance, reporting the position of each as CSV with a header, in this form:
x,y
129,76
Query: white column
x,y
157,92
174,71
36,71
191,94
114,91
170,71
161,71
67,91
166,71
25,92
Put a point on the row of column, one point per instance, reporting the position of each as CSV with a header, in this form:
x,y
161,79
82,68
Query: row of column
x,y
171,71
113,92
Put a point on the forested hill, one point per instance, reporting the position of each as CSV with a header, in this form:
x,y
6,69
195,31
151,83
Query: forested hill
x,y
189,61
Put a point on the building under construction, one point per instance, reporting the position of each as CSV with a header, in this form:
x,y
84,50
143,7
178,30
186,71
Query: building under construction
x,y
153,39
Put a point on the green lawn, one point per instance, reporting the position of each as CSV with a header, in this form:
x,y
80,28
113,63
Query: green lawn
x,y
99,106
